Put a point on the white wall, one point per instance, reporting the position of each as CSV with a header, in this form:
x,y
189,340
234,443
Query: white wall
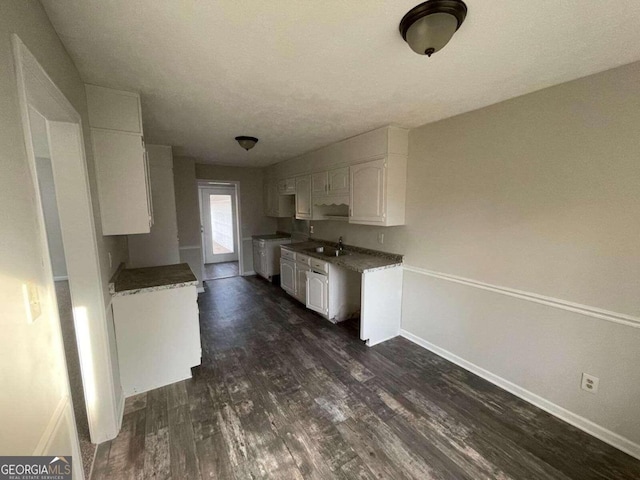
x,y
32,370
160,246
538,194
254,221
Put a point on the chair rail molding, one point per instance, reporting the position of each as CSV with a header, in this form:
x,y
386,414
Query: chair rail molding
x,y
587,310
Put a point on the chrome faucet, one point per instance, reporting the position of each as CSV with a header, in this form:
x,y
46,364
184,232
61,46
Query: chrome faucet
x,y
340,245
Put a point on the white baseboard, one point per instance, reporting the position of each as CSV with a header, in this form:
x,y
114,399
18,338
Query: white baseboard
x,y
607,436
54,424
60,278
248,274
200,289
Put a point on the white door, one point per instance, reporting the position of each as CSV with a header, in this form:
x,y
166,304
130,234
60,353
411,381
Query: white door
x,y
288,276
367,192
219,224
303,197
301,282
339,181
317,290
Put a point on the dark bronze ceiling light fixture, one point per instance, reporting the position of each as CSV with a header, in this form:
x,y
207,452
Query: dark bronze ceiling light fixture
x,y
247,142
428,27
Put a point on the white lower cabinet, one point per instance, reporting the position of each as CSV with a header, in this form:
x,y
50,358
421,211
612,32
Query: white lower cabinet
x,y
288,276
301,281
332,291
158,337
318,292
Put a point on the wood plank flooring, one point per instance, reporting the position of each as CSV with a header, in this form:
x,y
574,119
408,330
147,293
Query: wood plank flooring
x,y
214,271
284,394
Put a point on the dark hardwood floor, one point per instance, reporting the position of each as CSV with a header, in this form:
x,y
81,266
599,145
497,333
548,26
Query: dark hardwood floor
x,y
284,394
215,271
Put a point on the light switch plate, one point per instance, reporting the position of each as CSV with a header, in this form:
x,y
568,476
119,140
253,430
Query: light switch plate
x,y
32,301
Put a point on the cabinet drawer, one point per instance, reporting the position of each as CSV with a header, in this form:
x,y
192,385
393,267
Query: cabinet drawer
x,y
319,265
302,258
287,254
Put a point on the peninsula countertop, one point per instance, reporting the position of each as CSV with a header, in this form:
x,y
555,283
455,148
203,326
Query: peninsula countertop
x,y
359,260
129,281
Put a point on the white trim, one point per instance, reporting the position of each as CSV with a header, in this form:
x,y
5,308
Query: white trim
x,y
60,278
595,312
36,89
247,239
248,274
190,247
200,289
607,436
120,409
52,426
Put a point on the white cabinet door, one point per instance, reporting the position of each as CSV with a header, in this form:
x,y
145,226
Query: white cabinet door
x,y
121,172
367,192
256,259
317,292
303,197
160,246
339,181
301,282
264,265
288,276
320,184
287,186
114,109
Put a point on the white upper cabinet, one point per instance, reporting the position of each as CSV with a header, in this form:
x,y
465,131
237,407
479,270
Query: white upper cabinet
x,y
121,164
277,204
287,186
378,190
320,184
367,192
303,197
114,109
365,174
338,181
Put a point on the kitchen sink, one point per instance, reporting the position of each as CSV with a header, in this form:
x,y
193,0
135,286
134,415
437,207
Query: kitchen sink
x,y
330,252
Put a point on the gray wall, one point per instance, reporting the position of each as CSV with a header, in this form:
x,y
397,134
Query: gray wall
x,y
539,194
188,214
254,221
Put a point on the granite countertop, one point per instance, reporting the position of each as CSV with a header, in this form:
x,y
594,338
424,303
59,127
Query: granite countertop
x,y
272,236
360,260
129,281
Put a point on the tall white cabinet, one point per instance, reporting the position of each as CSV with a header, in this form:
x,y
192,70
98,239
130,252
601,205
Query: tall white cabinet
x,y
122,169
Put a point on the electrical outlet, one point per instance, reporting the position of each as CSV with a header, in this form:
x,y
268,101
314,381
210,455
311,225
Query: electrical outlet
x,y
381,238
590,383
310,228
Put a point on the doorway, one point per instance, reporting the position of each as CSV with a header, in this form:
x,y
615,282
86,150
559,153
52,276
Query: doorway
x,y
57,258
219,219
101,392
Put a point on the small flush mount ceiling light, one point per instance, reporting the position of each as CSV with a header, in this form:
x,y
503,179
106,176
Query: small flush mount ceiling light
x,y
247,142
429,26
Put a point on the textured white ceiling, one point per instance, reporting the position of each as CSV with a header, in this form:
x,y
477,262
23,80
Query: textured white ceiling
x,y
300,75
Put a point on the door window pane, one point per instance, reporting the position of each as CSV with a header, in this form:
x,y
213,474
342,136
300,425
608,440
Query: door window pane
x,y
221,224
